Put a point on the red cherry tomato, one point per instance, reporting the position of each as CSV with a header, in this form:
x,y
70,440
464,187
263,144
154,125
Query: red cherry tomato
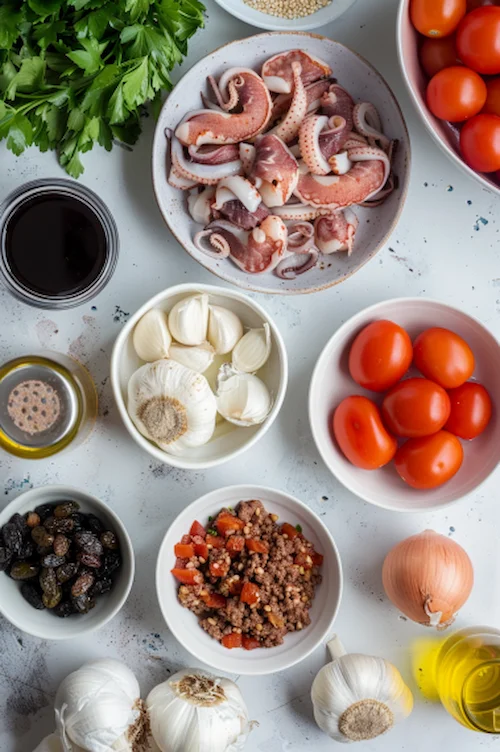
x,y
361,435
436,54
415,407
444,357
480,143
430,461
456,94
478,40
437,18
470,410
473,4
492,105
380,355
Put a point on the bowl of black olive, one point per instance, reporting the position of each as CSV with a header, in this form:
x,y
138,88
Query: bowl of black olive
x,y
66,562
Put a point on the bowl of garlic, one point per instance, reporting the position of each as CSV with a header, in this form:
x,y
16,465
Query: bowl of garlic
x,y
199,374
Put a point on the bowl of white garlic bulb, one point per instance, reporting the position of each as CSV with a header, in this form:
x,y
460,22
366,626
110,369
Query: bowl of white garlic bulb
x,y
199,374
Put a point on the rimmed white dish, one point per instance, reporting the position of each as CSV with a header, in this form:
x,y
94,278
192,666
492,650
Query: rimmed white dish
x,y
43,624
331,383
362,81
228,441
254,17
297,645
414,77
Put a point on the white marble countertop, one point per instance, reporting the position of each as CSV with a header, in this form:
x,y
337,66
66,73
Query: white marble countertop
x,y
446,247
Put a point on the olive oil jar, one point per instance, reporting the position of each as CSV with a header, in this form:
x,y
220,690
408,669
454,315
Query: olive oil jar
x,y
48,402
467,678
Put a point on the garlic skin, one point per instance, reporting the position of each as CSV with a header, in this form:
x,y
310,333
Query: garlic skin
x,y
224,329
172,405
253,350
188,320
151,337
242,398
198,358
51,743
194,711
96,706
358,697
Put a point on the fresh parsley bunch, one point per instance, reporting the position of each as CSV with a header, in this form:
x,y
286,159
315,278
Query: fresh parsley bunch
x,y
73,72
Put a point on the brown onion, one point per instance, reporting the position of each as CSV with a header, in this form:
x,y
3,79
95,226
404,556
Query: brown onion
x,y
428,577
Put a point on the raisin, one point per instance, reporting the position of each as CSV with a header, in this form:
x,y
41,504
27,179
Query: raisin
x,y
109,540
50,600
66,509
82,583
64,609
101,586
12,536
31,594
33,519
23,570
89,560
80,521
52,561
94,524
89,543
20,523
112,561
44,510
27,550
42,537
83,603
61,525
5,557
43,550
48,581
61,545
66,571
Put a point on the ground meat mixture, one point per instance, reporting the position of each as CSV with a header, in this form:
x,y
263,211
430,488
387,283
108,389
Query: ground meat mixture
x,y
248,578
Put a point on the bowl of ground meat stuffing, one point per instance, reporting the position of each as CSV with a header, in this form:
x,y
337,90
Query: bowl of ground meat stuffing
x,y
249,580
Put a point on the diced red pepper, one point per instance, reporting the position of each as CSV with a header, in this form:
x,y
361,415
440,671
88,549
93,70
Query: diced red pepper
x,y
186,539
215,541
188,576
214,600
219,568
258,546
233,640
197,529
250,593
184,550
229,524
235,544
235,587
250,643
289,530
317,559
304,560
201,549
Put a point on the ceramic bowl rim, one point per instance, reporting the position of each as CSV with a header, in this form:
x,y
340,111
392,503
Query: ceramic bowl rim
x,y
278,24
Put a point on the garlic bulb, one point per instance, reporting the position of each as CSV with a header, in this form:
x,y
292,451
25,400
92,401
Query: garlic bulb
x,y
358,697
98,708
242,399
51,743
428,577
194,711
253,350
224,329
172,405
151,337
188,320
198,358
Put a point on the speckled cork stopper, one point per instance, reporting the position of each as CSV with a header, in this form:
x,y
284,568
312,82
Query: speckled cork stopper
x,y
33,406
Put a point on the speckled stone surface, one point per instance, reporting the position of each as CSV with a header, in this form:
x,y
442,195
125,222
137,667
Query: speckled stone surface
x,y
446,247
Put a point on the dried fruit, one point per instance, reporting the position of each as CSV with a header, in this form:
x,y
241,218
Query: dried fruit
x,y
61,545
50,600
33,519
89,560
94,524
42,537
109,540
112,561
12,536
44,510
64,609
31,594
66,571
61,525
52,560
43,550
83,603
27,550
89,543
48,581
20,523
5,557
80,521
66,509
102,586
82,583
23,570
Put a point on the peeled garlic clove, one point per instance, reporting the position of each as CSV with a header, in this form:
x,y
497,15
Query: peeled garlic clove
x,y
151,337
188,320
197,358
172,405
253,350
242,398
224,329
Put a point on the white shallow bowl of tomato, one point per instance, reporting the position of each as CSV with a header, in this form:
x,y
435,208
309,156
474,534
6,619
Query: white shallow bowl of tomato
x,y
296,645
481,144
332,382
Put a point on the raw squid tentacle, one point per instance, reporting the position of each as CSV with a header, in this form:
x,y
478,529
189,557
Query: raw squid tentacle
x,y
338,101
314,92
275,170
238,215
288,128
215,242
247,157
333,139
240,188
200,204
232,88
214,155
340,163
309,134
297,263
265,247
300,237
207,174
178,181
336,232
277,71
367,123
298,212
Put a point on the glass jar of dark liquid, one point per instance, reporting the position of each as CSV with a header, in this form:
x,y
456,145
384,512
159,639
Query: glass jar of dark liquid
x,y
58,243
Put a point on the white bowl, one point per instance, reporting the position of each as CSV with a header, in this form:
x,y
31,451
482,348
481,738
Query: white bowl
x,y
42,623
331,383
228,441
254,17
445,135
297,645
362,81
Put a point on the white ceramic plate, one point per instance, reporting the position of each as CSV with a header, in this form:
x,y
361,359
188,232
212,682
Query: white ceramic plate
x,y
273,23
362,81
42,623
297,645
416,81
331,383
228,441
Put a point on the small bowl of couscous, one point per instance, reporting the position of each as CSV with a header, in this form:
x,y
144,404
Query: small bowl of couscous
x,y
286,15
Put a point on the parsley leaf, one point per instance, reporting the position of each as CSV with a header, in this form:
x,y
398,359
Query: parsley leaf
x,y
20,134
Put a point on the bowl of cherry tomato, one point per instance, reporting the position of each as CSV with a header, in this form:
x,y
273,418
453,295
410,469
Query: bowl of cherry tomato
x,y
449,52
402,404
